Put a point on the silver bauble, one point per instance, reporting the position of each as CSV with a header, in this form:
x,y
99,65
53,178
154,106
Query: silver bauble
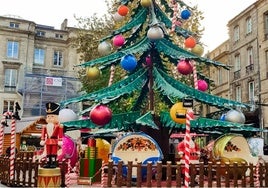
x,y
155,33
104,48
235,116
66,115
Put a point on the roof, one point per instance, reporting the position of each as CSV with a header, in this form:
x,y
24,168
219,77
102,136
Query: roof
x,y
22,124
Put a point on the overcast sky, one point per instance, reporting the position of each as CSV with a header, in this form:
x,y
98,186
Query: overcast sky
x,y
217,13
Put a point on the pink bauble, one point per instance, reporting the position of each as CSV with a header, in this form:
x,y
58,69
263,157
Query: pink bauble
x,y
118,40
68,150
184,67
202,85
100,115
148,60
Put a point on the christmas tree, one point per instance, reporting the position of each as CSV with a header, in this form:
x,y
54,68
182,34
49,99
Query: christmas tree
x,y
147,52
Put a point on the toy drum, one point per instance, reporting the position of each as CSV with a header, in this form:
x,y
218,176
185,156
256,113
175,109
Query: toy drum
x,y
49,177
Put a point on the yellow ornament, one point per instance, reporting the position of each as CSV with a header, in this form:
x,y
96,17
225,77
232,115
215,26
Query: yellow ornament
x,y
198,50
178,113
146,3
93,73
103,149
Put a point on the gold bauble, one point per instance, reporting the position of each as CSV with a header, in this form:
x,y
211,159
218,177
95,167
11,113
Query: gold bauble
x,y
178,113
146,3
93,73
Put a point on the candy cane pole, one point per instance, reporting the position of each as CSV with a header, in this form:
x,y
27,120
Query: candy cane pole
x,y
195,75
174,18
68,183
102,174
12,148
111,75
2,134
189,116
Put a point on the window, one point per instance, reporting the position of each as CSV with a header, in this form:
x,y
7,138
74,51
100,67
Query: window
x,y
236,33
12,49
13,25
248,25
238,93
58,36
266,25
57,58
219,76
8,106
40,33
39,56
237,65
10,79
251,91
250,56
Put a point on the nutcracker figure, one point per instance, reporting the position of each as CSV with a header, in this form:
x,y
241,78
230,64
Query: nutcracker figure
x,y
52,134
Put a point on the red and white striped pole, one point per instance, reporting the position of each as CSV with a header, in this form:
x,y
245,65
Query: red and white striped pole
x,y
189,117
102,174
3,120
68,179
195,75
12,147
175,12
111,79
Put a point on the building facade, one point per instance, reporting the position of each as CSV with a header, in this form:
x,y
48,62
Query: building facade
x,y
248,59
36,65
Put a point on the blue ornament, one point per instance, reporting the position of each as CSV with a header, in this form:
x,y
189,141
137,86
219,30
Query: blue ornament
x,y
129,62
185,14
222,118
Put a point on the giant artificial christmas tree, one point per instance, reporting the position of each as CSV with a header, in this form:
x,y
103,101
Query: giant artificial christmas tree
x,y
146,50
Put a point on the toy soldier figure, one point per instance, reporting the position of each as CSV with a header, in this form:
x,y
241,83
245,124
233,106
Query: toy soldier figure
x,y
52,134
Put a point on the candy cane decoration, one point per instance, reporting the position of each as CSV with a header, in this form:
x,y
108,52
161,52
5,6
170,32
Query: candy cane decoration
x,y
102,174
3,121
68,179
111,75
12,148
195,75
174,18
189,116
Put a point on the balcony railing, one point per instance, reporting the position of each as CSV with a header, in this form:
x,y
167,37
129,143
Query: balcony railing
x,y
250,68
237,75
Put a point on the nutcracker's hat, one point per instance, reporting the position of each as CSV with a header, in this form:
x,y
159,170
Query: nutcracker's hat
x,y
52,108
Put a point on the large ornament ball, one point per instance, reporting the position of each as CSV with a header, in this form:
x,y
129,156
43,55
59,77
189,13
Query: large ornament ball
x,y
66,115
184,67
104,48
235,116
128,62
93,73
118,40
178,113
103,149
122,10
155,33
185,14
100,115
146,3
117,17
202,85
198,50
68,150
190,42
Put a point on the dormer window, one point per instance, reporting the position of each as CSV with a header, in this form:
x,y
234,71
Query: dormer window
x,y
40,33
59,36
13,25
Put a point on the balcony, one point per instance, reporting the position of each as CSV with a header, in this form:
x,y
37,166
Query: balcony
x,y
237,75
250,68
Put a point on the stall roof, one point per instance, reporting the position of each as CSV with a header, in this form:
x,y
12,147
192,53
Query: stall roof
x,y
22,124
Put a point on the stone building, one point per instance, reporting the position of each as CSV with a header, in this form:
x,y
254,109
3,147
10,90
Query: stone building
x,y
36,65
246,51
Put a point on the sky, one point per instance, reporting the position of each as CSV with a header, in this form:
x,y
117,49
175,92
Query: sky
x,y
217,13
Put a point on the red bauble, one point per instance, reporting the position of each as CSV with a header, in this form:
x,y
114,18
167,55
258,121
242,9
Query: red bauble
x,y
100,115
118,40
122,10
190,42
202,85
184,67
